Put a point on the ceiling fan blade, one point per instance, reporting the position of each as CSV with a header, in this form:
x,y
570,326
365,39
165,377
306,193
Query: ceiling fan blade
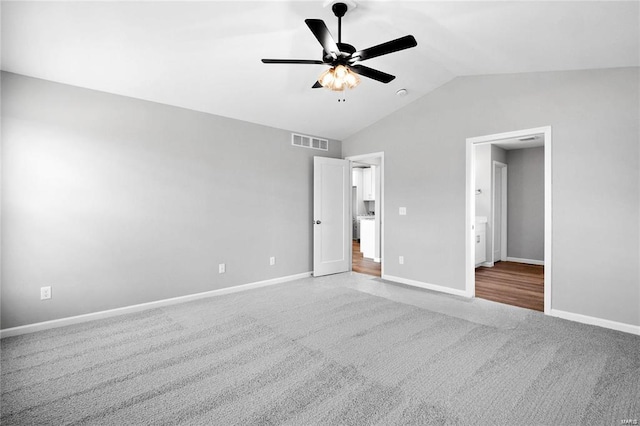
x,y
382,49
320,30
371,73
291,61
317,85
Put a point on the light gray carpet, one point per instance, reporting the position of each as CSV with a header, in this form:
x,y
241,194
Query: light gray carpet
x,y
321,351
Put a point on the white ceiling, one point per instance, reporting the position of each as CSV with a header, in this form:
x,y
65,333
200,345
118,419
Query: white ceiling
x,y
206,56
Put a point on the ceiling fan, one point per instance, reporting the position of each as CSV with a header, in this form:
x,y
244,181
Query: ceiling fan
x,y
344,58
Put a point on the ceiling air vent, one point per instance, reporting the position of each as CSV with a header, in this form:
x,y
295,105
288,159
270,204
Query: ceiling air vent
x,y
309,142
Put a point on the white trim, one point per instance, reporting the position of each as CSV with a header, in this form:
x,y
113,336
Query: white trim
x,y
487,264
528,261
470,227
379,203
470,286
31,328
585,319
504,243
548,218
433,287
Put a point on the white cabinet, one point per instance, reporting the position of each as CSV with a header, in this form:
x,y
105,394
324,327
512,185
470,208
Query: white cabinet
x,y
368,238
481,243
369,184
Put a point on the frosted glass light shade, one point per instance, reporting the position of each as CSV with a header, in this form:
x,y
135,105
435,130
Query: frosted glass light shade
x,y
339,78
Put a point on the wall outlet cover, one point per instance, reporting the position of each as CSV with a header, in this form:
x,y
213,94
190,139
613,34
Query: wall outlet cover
x,y
402,211
222,268
45,293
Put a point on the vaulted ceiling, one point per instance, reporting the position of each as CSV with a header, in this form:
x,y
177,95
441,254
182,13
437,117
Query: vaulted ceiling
x,y
206,56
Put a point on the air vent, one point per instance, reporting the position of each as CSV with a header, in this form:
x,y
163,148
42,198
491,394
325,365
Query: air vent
x,y
309,142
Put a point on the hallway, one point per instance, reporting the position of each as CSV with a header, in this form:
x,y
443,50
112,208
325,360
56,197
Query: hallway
x,y
362,265
516,284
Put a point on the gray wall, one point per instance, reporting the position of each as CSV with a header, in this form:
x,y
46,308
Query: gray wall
x,y
595,128
115,201
498,154
525,203
483,181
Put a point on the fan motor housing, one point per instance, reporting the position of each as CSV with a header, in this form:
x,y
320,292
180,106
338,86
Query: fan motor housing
x,y
346,50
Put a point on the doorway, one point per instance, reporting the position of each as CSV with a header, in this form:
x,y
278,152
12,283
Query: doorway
x,y
367,213
496,270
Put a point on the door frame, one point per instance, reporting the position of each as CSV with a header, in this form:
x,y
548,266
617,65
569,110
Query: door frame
x,y
380,214
470,285
503,211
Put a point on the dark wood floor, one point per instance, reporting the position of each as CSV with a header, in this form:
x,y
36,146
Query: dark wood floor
x,y
362,265
516,284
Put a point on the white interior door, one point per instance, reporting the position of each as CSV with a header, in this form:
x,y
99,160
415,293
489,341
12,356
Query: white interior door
x,y
331,219
503,222
497,213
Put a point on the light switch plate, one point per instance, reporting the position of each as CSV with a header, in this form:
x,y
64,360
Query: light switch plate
x,y
403,211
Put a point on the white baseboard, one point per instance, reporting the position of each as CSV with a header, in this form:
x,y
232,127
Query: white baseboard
x,y
614,325
433,287
31,328
377,259
529,261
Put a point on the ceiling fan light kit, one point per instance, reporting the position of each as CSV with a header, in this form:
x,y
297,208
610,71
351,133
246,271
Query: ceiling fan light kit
x,y
339,78
343,58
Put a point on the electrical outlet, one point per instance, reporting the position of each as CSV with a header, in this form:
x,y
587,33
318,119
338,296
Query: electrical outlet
x,y
45,293
222,268
402,211
401,260
272,260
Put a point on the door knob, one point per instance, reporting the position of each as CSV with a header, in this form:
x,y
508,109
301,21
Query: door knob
x,y
318,222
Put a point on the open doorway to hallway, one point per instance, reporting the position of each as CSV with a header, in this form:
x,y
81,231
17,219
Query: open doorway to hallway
x,y
366,211
512,283
362,264
508,216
